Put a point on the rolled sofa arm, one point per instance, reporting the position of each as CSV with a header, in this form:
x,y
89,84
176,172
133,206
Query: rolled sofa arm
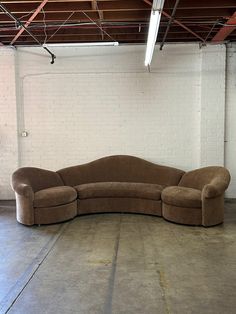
x,y
25,182
212,190
24,199
213,199
24,203
24,209
215,188
23,190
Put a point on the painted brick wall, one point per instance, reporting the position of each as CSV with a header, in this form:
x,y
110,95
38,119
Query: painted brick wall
x,y
95,102
8,121
230,144
212,117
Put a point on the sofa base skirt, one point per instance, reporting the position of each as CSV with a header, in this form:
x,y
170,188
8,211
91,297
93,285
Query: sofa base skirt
x,y
182,215
119,205
49,215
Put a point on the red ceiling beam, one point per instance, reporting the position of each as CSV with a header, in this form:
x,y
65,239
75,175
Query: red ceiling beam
x,y
177,22
39,8
224,32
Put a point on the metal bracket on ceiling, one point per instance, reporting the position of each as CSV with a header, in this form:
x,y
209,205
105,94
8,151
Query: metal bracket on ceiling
x,y
202,44
52,54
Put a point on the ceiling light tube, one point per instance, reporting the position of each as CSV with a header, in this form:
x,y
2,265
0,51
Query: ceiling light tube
x,y
90,44
153,29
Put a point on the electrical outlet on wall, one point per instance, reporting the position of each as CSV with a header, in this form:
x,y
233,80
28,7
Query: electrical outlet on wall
x,y
24,133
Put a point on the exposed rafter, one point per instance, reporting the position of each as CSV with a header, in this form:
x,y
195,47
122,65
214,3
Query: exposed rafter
x,y
17,21
183,26
127,20
224,32
39,8
100,14
177,22
169,24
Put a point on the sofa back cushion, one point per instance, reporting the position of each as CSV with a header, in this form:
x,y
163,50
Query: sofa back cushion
x,y
119,189
198,178
37,178
120,168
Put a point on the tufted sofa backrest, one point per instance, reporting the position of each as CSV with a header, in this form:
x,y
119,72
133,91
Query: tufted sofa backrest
x,y
198,178
37,178
120,168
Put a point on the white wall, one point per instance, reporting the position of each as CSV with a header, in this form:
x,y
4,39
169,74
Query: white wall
x,y
230,138
8,121
102,101
212,118
93,103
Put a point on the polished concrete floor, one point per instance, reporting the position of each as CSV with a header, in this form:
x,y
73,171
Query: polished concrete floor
x,y
117,263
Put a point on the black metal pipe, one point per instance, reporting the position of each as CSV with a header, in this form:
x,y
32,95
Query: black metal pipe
x,y
5,10
169,24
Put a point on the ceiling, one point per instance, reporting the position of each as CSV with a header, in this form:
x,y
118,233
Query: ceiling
x,y
125,21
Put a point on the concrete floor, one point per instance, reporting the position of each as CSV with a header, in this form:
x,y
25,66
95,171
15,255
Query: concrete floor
x,y
117,263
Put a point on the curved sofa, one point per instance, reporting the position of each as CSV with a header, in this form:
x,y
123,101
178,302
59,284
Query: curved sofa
x,y
120,184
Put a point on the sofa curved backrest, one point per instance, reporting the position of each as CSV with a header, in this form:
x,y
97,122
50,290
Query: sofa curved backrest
x,y
198,178
120,168
37,178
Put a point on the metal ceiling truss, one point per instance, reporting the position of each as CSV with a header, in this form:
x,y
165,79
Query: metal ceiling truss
x,y
226,30
65,21
39,8
19,23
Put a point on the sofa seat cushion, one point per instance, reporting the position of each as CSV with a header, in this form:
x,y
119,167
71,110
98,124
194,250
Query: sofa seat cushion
x,y
119,189
55,196
182,196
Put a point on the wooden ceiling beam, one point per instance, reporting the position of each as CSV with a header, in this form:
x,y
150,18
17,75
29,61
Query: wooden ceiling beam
x,y
226,30
204,13
94,5
37,28
94,38
201,4
51,8
189,4
181,15
53,1
111,31
80,6
80,17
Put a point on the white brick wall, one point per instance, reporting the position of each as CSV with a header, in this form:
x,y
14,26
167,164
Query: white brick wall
x,y
93,103
102,101
212,114
8,121
230,145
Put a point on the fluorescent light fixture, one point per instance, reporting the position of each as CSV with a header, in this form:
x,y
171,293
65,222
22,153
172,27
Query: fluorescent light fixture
x,y
92,44
153,29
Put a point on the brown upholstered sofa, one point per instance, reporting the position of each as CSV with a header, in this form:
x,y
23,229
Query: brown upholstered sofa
x,y
120,184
